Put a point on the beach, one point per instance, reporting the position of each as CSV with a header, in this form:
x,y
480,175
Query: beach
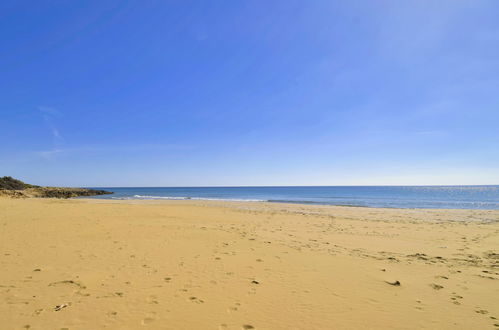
x,y
97,264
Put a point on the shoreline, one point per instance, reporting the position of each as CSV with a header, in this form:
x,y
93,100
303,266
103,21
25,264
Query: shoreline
x,y
173,264
400,197
436,197
287,206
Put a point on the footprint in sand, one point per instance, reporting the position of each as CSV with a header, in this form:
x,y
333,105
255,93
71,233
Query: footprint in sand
x,y
152,299
436,286
196,300
60,307
455,298
38,311
232,309
442,277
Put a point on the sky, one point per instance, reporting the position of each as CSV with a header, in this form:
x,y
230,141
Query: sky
x,y
231,93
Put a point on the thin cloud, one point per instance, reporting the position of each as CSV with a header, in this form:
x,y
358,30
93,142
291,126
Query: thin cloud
x,y
51,153
48,114
56,134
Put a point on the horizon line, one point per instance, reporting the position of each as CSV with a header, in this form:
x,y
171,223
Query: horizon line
x,y
292,186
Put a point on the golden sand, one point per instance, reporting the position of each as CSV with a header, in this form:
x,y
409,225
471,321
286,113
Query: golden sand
x,y
89,264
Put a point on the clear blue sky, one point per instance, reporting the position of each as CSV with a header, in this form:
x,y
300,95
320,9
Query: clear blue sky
x,y
196,93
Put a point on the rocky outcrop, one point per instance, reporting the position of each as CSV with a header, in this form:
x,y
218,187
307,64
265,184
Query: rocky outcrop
x,y
55,192
52,192
10,187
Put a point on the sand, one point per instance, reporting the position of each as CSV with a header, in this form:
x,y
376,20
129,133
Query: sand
x,y
90,264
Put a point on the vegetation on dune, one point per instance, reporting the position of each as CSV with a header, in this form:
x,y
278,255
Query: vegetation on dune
x,y
11,187
9,183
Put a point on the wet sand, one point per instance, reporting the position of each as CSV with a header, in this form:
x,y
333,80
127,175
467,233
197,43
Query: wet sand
x,y
93,264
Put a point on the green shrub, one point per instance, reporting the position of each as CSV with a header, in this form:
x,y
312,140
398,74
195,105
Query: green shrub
x,y
9,183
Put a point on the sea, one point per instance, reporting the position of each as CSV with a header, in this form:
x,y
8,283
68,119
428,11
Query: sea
x,y
433,197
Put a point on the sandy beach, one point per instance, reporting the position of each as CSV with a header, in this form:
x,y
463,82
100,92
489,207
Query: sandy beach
x,y
96,264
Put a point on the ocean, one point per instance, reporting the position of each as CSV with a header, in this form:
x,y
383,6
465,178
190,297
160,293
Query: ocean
x,y
435,197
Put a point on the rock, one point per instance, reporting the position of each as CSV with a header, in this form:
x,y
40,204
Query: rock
x,y
51,192
14,188
55,192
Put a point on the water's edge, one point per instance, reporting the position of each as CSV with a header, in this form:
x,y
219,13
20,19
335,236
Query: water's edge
x,y
419,197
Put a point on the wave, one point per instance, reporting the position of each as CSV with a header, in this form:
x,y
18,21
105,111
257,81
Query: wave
x,y
160,197
193,198
149,197
409,203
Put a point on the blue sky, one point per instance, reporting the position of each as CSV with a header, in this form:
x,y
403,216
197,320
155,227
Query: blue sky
x,y
203,93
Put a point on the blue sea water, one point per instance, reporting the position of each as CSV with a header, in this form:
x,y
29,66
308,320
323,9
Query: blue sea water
x,y
439,197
